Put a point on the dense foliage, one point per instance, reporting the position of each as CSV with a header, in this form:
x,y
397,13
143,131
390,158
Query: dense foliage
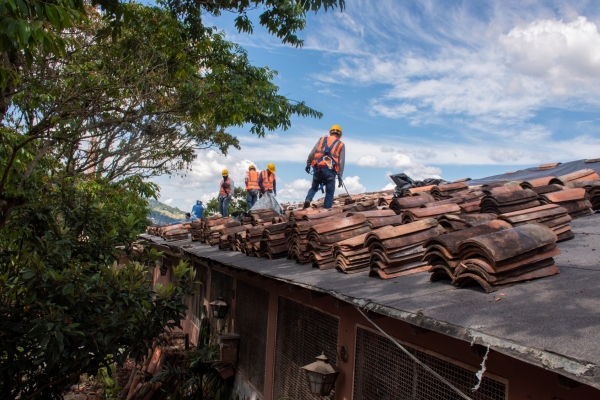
x,y
90,105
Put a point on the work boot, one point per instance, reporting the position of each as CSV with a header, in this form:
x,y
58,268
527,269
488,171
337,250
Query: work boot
x,y
306,204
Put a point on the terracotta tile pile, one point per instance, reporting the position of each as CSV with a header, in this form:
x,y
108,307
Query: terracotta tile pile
x,y
227,238
212,234
201,228
553,216
471,200
196,230
457,222
322,237
573,200
504,199
258,217
446,191
398,250
431,211
313,214
442,253
172,233
378,218
351,255
251,242
507,256
543,167
592,189
273,244
296,237
581,175
418,191
401,204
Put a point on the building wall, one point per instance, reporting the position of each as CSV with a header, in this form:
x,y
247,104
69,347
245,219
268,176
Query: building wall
x,y
522,380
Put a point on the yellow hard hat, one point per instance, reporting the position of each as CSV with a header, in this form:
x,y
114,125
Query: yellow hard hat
x,y
336,128
251,166
225,172
271,167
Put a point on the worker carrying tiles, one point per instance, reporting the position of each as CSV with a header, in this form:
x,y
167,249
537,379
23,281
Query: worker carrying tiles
x,y
225,193
266,180
327,160
252,187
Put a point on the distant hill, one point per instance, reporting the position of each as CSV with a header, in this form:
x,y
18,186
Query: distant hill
x,y
164,214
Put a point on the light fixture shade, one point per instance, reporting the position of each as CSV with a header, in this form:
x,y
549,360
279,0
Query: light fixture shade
x,y
321,376
219,308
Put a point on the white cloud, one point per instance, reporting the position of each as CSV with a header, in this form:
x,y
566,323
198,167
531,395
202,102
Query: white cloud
x,y
504,155
389,186
353,185
386,149
368,161
168,201
401,161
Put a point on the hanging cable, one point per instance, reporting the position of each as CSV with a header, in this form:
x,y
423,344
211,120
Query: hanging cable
x,y
415,359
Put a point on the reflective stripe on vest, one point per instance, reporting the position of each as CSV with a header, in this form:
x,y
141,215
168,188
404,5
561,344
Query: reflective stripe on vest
x,y
335,149
267,179
252,180
225,190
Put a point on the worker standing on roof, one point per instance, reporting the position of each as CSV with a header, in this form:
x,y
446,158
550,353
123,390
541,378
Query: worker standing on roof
x,y
198,210
266,180
252,187
327,160
225,193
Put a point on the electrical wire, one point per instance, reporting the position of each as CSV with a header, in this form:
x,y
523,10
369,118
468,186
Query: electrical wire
x,y
415,359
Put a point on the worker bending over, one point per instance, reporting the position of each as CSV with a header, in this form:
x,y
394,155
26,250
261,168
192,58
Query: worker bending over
x,y
266,180
327,160
225,193
252,187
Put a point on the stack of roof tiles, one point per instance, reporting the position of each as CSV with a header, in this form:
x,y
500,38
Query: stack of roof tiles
x,y
430,210
351,255
397,250
553,216
573,200
258,217
493,254
378,218
504,199
446,191
175,232
401,204
196,229
442,254
251,242
322,237
457,222
227,238
471,200
418,191
541,185
296,234
212,234
592,189
581,175
273,243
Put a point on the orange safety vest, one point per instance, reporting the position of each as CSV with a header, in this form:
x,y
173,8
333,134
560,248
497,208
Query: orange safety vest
x,y
225,191
267,179
252,180
325,143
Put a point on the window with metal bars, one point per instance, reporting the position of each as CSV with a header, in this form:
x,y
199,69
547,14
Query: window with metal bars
x,y
251,322
221,285
302,334
196,304
383,371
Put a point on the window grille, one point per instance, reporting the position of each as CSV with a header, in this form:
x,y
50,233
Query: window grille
x,y
302,334
197,301
383,371
221,285
251,322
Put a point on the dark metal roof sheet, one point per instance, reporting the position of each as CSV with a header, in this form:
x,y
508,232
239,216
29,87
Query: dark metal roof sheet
x,y
552,322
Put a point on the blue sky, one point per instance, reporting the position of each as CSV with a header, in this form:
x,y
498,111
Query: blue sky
x,y
430,88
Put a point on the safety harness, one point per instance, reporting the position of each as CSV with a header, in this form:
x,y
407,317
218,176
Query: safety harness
x,y
326,153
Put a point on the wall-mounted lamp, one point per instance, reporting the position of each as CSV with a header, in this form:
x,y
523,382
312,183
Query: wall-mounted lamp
x,y
219,308
321,376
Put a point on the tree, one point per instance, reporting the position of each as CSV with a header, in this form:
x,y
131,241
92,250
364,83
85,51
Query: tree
x,y
237,203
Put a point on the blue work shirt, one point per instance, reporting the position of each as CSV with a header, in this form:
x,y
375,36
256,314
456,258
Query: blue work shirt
x,y
197,211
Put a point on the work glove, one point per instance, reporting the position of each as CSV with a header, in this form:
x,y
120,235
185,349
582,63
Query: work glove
x,y
307,169
340,181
